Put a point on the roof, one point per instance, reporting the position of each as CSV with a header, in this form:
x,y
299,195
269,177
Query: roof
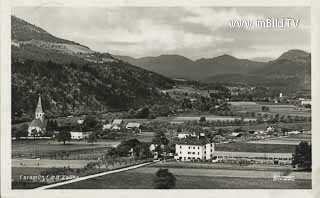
x,y
38,123
39,106
117,121
133,124
194,141
251,154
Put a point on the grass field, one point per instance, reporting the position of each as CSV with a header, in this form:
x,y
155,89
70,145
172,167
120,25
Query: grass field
x,y
281,109
252,147
43,148
289,140
143,179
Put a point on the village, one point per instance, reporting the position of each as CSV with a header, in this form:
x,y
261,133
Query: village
x,y
210,140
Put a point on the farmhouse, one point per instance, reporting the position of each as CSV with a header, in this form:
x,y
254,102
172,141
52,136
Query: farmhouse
x,y
38,125
194,148
77,135
133,126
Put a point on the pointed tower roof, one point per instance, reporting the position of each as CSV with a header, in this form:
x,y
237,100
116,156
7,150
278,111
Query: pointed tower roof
x,y
39,106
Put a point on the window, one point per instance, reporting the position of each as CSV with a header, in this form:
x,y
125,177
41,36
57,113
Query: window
x,y
193,147
198,147
198,153
180,152
189,147
180,146
205,152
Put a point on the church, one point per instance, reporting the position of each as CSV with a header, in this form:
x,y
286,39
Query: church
x,y
38,124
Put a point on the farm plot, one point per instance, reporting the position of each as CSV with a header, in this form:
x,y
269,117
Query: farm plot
x,y
289,140
52,149
142,178
210,118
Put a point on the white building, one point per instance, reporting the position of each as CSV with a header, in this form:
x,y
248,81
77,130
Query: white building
x,y
194,149
183,135
253,157
133,126
77,135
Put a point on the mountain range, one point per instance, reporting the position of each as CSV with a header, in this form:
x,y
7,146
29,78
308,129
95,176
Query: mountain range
x,y
72,78
291,66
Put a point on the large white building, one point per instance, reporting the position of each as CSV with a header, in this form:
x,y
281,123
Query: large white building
x,y
191,148
77,135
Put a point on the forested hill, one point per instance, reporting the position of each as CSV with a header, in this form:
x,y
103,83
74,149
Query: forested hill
x,y
72,82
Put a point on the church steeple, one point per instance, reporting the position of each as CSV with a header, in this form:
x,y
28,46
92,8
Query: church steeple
x,y
39,114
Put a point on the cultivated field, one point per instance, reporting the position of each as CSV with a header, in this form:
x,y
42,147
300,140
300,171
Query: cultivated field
x,y
142,178
210,118
51,148
281,109
288,140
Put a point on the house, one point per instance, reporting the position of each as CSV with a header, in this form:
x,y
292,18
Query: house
x,y
194,148
294,132
117,122
80,121
234,134
38,125
305,101
133,125
183,135
106,126
270,129
77,135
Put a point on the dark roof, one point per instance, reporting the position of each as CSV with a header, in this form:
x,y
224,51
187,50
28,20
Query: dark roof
x,y
38,123
194,141
39,106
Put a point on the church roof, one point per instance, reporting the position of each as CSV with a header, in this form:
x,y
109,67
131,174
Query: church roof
x,y
39,106
38,123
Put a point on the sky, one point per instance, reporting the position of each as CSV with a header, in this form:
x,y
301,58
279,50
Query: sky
x,y
193,32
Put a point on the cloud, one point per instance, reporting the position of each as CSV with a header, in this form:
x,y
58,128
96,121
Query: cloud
x,y
194,32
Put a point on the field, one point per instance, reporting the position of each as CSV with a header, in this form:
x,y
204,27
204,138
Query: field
x,y
51,148
210,118
142,178
288,140
281,109
252,147
46,163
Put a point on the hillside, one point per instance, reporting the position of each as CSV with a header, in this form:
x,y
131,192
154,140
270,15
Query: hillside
x,y
176,66
72,83
290,70
172,66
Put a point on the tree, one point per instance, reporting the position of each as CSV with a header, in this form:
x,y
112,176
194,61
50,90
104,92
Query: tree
x,y
64,136
20,132
92,138
202,119
90,123
302,156
164,179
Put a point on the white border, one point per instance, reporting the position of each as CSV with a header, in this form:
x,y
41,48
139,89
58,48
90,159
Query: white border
x,y
6,102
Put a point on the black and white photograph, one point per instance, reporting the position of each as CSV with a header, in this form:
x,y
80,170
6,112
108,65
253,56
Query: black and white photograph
x,y
170,97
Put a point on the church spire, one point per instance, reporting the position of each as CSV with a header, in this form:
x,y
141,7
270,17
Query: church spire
x,y
39,114
39,105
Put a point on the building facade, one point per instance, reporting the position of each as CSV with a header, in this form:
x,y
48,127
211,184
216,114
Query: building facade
x,y
194,149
